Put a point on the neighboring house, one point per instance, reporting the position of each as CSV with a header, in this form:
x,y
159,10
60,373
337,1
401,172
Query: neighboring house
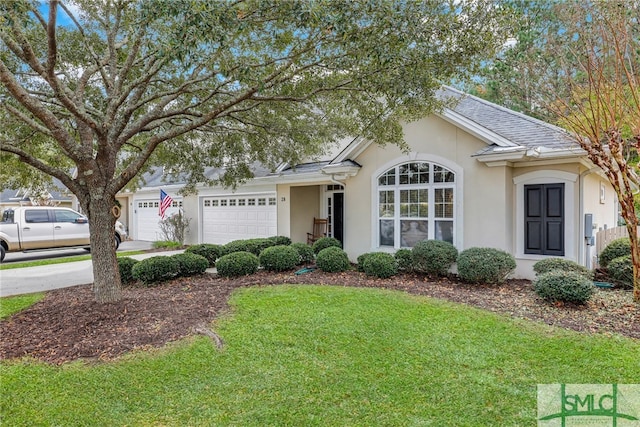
x,y
476,175
56,195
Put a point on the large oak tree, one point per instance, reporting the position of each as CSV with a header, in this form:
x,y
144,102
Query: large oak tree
x,y
92,92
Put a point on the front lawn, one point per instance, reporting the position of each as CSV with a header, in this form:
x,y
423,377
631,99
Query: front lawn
x,y
317,355
11,305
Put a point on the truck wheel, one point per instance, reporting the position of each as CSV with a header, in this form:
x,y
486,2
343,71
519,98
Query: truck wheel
x,y
117,241
2,252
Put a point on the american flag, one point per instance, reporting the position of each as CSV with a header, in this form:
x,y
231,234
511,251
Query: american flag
x,y
165,202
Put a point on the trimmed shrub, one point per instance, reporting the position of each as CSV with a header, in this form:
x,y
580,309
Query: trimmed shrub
x,y
280,240
615,249
255,246
156,269
190,264
125,265
332,260
258,245
485,265
279,258
305,253
380,264
235,246
551,264
565,286
361,259
210,251
325,242
621,271
404,259
237,264
433,257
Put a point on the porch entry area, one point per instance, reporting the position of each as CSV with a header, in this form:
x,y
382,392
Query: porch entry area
x,y
317,201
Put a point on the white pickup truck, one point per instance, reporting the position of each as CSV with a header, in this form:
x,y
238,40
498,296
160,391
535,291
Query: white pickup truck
x,y
36,228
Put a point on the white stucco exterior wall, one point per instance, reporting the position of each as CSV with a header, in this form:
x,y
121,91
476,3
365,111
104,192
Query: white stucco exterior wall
x,y
483,197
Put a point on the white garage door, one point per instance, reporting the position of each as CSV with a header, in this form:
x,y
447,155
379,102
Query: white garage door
x,y
148,220
234,217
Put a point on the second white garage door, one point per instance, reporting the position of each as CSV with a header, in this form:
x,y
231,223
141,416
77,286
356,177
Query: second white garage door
x,y
148,218
235,217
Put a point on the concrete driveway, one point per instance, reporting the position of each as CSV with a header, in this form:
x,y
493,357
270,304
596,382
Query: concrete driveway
x,y
28,280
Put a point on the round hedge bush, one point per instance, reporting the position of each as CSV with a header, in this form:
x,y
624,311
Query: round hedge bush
x,y
326,242
551,264
279,258
191,264
621,271
255,246
332,260
208,250
235,246
485,265
615,249
565,286
237,264
361,259
305,253
404,259
125,265
156,269
380,264
280,240
433,257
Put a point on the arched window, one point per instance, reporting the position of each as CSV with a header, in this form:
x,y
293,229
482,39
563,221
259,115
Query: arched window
x,y
416,201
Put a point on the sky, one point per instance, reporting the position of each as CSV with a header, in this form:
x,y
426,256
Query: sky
x,y
63,18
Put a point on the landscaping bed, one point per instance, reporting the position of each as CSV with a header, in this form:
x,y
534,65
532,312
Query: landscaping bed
x,y
69,325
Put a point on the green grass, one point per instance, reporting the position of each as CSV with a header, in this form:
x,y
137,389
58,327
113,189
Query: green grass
x,y
59,260
325,356
11,305
166,244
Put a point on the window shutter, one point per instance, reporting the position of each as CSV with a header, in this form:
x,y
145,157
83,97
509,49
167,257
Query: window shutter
x,y
544,219
533,219
554,219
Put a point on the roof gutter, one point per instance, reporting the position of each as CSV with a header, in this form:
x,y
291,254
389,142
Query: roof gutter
x,y
546,153
340,171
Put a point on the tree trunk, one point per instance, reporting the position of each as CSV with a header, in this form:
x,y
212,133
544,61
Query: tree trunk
x,y
635,259
106,276
629,215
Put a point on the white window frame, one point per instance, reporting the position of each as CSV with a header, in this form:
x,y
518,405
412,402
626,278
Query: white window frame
x,y
457,185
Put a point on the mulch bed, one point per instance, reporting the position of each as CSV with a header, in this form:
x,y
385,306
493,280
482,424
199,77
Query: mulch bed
x,y
69,325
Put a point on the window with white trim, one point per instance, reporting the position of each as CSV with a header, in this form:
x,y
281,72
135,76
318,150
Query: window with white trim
x,y
416,201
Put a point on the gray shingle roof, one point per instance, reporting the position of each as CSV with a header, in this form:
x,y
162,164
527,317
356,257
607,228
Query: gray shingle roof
x,y
518,128
57,190
157,177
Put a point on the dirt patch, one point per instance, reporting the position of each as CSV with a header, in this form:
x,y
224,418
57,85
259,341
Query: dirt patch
x,y
69,325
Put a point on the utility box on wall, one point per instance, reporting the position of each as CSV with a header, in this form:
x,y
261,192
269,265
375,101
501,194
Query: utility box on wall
x,y
588,229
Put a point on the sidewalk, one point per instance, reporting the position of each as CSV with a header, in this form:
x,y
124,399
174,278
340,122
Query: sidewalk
x,y
28,280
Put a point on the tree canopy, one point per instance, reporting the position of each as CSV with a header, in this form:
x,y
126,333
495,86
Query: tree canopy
x,y
95,91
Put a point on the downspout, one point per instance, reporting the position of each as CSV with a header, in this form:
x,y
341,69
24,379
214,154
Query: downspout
x,y
582,253
335,181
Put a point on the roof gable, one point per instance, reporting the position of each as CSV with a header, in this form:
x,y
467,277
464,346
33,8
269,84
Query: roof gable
x,y
502,129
